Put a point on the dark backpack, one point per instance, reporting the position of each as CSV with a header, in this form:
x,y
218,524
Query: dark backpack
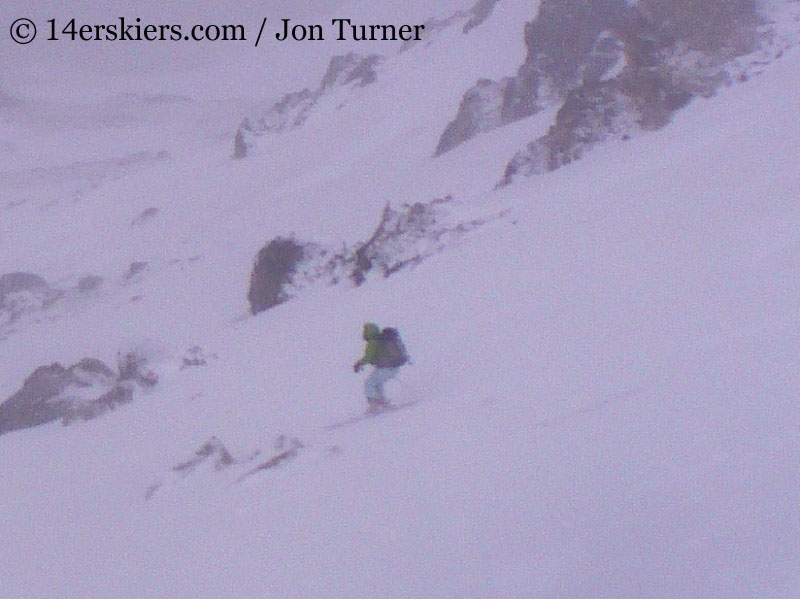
x,y
392,352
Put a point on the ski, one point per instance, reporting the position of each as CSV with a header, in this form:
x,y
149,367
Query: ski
x,y
369,414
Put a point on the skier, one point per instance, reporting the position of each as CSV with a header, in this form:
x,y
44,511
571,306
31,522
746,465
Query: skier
x,y
387,353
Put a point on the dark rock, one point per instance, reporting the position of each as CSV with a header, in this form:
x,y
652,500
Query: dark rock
x,y
272,273
144,216
35,403
479,13
89,283
17,282
404,237
134,269
350,68
480,110
214,450
23,292
83,391
710,26
116,396
240,145
613,66
294,108
384,250
287,449
133,367
194,357
20,281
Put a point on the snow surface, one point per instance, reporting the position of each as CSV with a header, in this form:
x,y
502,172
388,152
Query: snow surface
x,y
608,374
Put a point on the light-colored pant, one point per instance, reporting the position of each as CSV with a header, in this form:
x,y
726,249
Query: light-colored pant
x,y
373,388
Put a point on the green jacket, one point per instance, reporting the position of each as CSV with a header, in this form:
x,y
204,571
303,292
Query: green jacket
x,y
371,335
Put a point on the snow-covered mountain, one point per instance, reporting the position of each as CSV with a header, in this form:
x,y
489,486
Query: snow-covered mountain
x,y
581,216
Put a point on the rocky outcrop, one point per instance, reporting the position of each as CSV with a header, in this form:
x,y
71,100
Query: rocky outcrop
x,y
27,297
627,66
22,292
294,108
595,113
214,459
213,451
481,109
284,450
404,237
467,19
479,12
273,273
82,391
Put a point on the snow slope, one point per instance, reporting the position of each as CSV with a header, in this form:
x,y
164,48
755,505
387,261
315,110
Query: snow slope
x,y
607,374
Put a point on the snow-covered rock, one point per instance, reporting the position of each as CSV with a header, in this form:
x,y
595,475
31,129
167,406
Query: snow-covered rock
x,y
404,237
293,108
83,391
613,68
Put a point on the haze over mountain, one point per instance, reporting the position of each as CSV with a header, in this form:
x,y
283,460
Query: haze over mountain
x,y
582,217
